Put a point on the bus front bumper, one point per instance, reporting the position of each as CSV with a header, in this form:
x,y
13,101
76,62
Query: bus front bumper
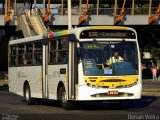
x,y
88,93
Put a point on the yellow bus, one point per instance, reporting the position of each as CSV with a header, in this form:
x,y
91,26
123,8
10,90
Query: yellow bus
x,y
93,63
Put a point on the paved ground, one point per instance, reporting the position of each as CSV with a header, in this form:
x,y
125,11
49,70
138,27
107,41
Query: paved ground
x,y
151,87
150,84
13,107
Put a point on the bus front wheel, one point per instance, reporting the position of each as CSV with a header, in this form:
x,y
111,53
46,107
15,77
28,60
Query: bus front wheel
x,y
27,95
67,105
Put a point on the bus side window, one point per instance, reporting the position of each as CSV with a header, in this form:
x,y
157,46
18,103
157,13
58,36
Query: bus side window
x,y
29,48
52,57
13,55
62,57
52,52
62,51
58,51
20,54
37,53
65,60
24,60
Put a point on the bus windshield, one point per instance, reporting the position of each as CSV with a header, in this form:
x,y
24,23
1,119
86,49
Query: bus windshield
x,y
109,58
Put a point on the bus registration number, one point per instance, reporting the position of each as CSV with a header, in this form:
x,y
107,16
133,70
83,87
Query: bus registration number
x,y
113,92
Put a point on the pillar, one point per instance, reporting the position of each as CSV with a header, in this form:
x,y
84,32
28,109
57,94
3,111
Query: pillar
x,y
6,6
150,7
80,7
15,7
133,4
35,3
44,7
62,9
115,7
69,15
97,7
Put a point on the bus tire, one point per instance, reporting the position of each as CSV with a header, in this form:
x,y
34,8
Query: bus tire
x,y
27,95
66,105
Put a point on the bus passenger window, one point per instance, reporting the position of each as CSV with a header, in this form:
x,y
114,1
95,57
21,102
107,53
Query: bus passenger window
x,y
13,60
58,51
52,57
37,53
29,48
62,51
24,60
13,55
65,59
20,54
62,57
52,52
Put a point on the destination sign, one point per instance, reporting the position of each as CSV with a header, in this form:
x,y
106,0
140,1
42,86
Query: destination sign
x,y
91,46
107,34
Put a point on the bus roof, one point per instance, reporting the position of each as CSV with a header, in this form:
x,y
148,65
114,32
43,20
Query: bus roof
x,y
66,32
40,37
109,27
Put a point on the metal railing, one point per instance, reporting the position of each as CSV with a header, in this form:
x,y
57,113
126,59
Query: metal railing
x,y
92,11
106,11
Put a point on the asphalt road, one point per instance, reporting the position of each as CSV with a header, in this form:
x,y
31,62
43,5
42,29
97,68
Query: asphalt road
x,y
13,107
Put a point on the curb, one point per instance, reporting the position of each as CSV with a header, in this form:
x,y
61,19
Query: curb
x,y
151,90
151,94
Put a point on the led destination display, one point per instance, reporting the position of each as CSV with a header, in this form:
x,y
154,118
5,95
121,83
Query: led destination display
x,y
107,34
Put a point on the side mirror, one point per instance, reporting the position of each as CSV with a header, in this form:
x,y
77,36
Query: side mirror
x,y
72,37
79,52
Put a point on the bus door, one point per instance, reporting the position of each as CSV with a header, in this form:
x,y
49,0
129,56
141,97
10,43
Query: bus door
x,y
72,68
45,93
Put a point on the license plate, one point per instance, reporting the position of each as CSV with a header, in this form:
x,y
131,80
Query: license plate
x,y
114,92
